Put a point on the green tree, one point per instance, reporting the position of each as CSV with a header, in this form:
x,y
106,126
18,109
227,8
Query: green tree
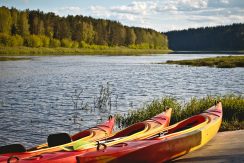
x,y
14,15
4,39
101,32
5,20
54,43
23,24
130,36
45,40
87,33
33,41
67,43
64,30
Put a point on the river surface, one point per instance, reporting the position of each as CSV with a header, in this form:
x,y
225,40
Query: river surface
x,y
36,95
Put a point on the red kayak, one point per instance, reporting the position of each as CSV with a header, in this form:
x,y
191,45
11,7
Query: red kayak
x,y
137,131
186,136
57,142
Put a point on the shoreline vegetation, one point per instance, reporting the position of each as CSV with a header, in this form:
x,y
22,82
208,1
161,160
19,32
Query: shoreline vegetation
x,y
99,50
36,32
233,109
13,58
219,62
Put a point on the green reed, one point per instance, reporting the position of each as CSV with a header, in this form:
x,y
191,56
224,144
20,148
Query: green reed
x,y
233,111
219,62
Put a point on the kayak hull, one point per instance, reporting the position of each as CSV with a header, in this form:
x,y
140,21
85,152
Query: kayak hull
x,y
162,148
99,132
147,129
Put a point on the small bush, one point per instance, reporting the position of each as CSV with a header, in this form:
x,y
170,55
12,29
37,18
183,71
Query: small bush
x,y
83,44
75,44
45,40
67,43
4,39
33,41
17,40
8,40
54,43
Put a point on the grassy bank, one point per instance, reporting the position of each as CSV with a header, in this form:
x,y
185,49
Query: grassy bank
x,y
220,62
17,51
233,111
12,59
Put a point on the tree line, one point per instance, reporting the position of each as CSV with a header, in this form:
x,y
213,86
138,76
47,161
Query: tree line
x,y
34,28
220,38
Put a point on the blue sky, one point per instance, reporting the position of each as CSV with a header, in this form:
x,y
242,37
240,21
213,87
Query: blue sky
x,y
161,15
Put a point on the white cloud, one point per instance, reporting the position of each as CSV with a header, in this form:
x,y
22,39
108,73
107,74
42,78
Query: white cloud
x,y
71,10
133,8
99,11
224,1
164,15
192,4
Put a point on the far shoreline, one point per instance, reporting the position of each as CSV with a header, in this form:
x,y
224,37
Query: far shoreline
x,y
229,61
60,51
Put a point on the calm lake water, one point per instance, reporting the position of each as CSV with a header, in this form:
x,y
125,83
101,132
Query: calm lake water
x,y
36,95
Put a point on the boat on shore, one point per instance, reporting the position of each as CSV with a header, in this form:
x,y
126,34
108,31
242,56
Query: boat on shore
x,y
57,142
138,131
175,141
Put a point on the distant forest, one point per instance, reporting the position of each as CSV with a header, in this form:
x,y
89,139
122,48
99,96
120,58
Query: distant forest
x,y
38,29
220,38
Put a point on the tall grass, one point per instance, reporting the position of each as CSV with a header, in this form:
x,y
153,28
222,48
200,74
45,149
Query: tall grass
x,y
233,111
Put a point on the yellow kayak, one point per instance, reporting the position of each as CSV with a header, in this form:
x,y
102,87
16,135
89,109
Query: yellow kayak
x,y
176,140
137,131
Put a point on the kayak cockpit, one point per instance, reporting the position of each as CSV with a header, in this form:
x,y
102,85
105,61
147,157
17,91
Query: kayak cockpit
x,y
80,135
188,123
130,130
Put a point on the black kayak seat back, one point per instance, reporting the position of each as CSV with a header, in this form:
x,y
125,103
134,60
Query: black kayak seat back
x,y
12,148
58,139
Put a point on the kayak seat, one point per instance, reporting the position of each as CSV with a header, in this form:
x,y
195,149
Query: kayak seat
x,y
58,139
12,148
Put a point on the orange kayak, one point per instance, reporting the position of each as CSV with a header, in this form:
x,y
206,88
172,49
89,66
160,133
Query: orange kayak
x,y
137,131
57,142
177,140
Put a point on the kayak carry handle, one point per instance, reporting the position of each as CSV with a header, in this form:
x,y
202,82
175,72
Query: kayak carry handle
x,y
216,102
101,144
166,108
13,157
